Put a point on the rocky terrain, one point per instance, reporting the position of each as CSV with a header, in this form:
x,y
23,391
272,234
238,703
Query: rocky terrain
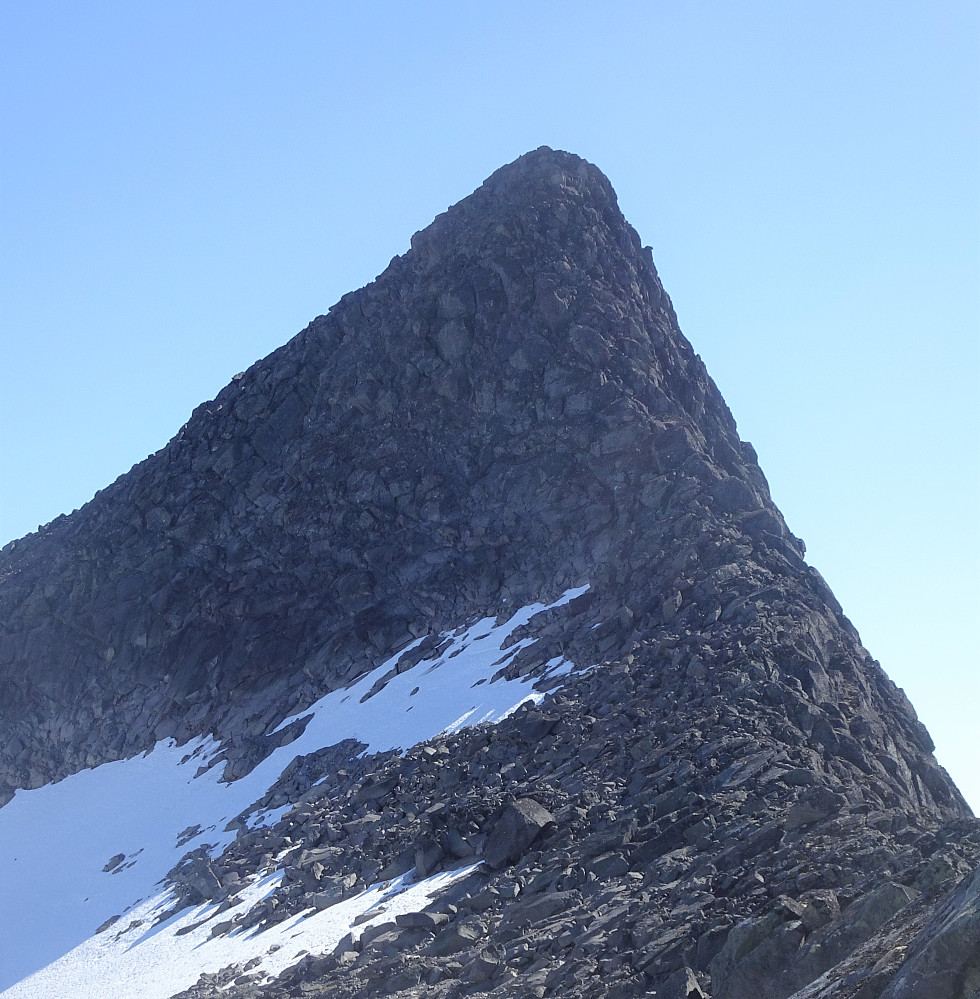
x,y
725,796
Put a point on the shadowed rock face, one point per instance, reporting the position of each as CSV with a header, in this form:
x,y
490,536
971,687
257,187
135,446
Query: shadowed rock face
x,y
508,411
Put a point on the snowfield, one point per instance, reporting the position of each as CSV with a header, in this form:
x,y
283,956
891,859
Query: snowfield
x,y
98,843
155,962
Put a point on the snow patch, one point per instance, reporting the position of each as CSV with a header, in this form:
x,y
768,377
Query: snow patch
x,y
98,843
157,961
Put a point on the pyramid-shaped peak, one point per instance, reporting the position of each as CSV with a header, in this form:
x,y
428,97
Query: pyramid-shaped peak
x,y
479,566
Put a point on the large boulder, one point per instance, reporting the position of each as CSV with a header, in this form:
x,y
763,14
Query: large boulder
x,y
518,826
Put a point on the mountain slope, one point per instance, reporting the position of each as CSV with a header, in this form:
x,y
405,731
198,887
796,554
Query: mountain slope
x,y
509,413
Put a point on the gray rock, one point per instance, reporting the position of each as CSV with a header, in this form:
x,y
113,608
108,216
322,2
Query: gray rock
x,y
755,958
815,805
821,908
518,826
481,968
422,920
540,907
944,959
456,937
682,984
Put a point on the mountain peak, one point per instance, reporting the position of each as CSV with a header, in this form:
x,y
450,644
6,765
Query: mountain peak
x,y
545,171
535,192
470,587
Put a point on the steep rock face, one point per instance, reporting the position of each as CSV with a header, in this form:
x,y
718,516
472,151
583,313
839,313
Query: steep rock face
x,y
475,424
508,411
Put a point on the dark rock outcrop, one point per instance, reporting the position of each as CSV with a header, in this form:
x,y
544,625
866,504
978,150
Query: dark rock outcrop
x,y
735,801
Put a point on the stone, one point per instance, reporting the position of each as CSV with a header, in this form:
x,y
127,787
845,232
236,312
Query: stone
x,y
682,984
755,957
821,908
457,937
944,958
421,920
376,789
518,826
428,854
538,908
816,804
480,968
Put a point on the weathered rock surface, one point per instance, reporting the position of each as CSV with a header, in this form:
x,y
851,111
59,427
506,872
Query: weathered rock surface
x,y
944,957
735,801
520,824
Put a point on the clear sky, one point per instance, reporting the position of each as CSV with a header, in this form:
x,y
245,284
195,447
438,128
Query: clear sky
x,y
185,185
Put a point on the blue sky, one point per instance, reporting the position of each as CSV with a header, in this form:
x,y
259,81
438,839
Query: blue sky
x,y
184,186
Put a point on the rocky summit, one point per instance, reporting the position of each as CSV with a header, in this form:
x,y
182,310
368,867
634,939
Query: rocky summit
x,y
457,649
